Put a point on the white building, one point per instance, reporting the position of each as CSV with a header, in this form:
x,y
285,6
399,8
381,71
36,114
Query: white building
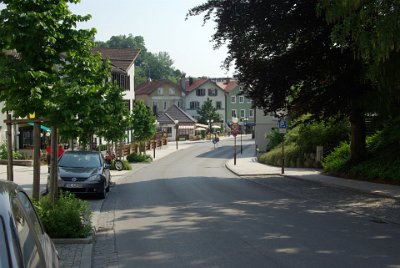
x,y
263,126
198,91
122,61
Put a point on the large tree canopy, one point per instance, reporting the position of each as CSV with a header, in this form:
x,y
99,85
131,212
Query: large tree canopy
x,y
46,67
373,27
284,54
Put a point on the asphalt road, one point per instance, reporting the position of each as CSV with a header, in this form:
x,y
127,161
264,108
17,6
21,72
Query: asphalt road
x,y
187,210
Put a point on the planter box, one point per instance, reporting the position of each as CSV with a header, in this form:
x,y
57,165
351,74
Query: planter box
x,y
27,163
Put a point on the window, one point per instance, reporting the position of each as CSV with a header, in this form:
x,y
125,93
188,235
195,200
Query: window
x,y
249,100
123,81
212,92
200,92
155,107
233,99
242,113
218,105
241,99
4,261
234,114
171,91
165,105
251,113
26,236
160,91
194,105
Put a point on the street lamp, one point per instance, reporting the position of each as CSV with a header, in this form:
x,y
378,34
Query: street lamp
x,y
155,139
176,132
209,122
234,131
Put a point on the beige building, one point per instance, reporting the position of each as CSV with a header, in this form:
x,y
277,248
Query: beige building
x,y
160,95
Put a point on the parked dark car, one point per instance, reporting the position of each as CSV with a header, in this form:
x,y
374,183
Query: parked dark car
x,y
23,241
84,172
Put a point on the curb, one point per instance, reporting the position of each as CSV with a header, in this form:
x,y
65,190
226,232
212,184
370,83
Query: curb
x,y
327,183
87,240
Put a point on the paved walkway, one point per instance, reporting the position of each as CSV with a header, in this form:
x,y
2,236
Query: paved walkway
x,y
76,255
247,165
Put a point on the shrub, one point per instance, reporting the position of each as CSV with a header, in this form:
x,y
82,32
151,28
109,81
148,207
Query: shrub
x,y
274,157
68,218
135,158
338,158
378,168
274,139
4,153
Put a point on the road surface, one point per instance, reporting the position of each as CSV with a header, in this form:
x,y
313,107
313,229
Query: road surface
x,y
188,210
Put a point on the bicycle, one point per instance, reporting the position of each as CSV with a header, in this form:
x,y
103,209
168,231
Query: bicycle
x,y
113,161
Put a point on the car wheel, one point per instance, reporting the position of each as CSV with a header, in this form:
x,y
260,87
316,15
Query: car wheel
x,y
119,165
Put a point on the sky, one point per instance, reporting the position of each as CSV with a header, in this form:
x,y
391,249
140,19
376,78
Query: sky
x,y
164,28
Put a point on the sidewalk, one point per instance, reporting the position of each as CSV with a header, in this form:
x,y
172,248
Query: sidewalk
x,y
247,166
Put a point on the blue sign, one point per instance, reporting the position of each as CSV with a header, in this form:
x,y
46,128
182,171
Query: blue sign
x,y
282,123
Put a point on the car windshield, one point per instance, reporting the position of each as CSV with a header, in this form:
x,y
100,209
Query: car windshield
x,y
80,160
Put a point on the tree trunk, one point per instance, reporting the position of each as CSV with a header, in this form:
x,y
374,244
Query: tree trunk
x,y
53,192
10,170
358,135
36,161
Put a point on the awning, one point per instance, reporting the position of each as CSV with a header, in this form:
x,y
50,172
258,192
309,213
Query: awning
x,y
201,125
216,126
200,128
186,127
42,127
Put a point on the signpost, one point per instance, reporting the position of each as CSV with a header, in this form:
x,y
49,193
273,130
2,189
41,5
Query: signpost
x,y
282,130
234,131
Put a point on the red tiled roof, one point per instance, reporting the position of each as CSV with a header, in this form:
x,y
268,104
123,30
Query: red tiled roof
x,y
148,87
227,87
120,57
196,84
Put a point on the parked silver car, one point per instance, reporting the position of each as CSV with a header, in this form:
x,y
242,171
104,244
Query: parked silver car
x,y
23,241
84,172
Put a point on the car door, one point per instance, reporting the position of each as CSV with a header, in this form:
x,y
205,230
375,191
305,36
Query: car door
x,y
45,247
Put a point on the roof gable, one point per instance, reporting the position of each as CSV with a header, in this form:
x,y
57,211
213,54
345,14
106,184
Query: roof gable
x,y
122,58
175,113
228,87
150,86
198,83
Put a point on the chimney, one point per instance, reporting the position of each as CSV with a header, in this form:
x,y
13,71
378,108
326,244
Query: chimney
x,y
183,82
190,81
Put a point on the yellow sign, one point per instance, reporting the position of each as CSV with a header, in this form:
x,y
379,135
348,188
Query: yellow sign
x,y
32,115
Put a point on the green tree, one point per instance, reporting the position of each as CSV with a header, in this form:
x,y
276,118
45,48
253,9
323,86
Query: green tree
x,y
373,28
46,66
285,57
143,122
208,111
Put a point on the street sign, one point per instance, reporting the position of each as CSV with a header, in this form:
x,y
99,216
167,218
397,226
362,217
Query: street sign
x,y
282,123
235,129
